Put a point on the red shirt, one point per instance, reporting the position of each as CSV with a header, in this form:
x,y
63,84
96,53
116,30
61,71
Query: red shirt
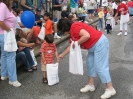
x,y
48,27
122,8
94,34
48,51
130,4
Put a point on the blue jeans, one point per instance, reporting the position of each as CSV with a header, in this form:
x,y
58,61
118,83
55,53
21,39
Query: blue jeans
x,y
25,57
100,23
8,63
97,60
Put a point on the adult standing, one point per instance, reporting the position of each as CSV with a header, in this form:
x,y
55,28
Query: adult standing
x,y
130,8
8,64
27,5
91,7
42,6
124,17
73,6
98,53
56,9
38,17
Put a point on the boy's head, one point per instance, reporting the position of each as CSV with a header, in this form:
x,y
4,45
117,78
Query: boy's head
x,y
49,38
101,8
46,16
19,11
71,17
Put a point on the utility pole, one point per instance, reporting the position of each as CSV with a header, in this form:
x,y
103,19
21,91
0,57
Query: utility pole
x,y
100,3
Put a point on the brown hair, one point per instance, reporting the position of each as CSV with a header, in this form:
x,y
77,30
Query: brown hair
x,y
18,11
6,3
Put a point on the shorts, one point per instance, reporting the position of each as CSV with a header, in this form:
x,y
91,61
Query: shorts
x,y
91,11
131,15
43,67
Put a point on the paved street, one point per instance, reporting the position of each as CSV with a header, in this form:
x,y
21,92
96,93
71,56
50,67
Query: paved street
x,y
121,69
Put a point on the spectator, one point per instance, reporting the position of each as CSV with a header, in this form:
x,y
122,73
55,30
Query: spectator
x,y
64,13
130,8
123,10
56,9
27,5
48,26
100,20
38,18
108,19
8,64
48,50
26,31
73,6
15,5
91,7
42,6
23,54
97,46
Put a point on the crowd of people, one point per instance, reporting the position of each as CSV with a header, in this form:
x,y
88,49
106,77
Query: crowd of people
x,y
73,22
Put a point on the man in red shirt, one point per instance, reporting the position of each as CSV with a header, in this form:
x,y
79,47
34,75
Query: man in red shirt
x,y
124,18
98,50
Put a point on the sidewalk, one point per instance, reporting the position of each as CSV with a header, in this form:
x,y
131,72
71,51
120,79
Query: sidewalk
x,y
57,41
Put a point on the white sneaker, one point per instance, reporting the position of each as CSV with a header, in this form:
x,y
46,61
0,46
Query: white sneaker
x,y
108,93
3,78
125,34
15,83
119,33
86,22
87,88
56,36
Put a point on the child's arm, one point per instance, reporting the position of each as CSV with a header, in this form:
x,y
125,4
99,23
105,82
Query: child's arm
x,y
43,58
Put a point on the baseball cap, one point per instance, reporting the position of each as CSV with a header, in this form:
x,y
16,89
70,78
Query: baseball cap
x,y
37,9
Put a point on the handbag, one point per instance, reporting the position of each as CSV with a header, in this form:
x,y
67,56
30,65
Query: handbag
x,y
41,34
33,57
10,44
52,74
75,59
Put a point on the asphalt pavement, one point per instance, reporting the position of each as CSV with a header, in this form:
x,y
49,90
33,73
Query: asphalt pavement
x,y
121,69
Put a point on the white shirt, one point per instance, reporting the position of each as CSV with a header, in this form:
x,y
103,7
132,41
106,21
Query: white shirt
x,y
114,6
105,4
17,25
89,4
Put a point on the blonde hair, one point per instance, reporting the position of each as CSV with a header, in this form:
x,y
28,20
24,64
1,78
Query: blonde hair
x,y
110,8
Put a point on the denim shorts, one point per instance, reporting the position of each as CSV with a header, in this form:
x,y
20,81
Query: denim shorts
x,y
91,11
97,60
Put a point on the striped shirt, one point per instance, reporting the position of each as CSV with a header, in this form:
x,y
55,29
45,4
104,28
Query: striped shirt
x,y
48,51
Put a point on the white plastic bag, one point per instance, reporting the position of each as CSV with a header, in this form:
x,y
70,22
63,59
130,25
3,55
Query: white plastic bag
x,y
41,35
75,59
52,74
33,57
125,18
10,44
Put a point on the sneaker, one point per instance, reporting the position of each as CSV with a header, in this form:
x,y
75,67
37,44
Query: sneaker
x,y
125,34
87,88
86,22
15,83
3,78
56,36
108,93
119,33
